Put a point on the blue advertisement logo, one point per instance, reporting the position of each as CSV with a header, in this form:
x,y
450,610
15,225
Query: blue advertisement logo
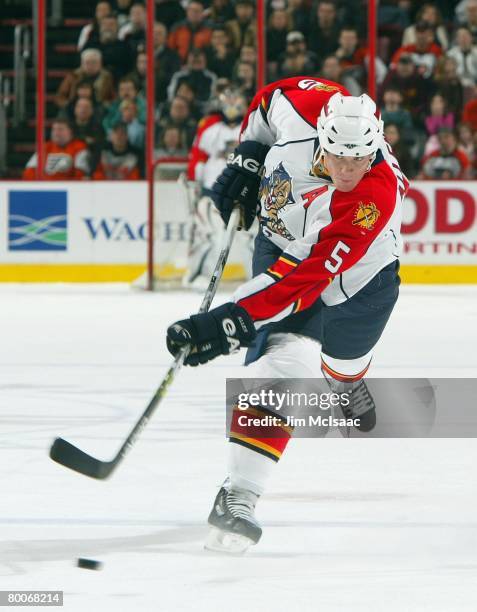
x,y
37,221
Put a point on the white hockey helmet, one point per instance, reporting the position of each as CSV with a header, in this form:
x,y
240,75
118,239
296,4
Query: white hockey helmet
x,y
350,125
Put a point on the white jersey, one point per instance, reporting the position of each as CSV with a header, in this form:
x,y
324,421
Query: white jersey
x,y
333,242
213,143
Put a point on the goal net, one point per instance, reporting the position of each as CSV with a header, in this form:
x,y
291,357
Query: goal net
x,y
173,205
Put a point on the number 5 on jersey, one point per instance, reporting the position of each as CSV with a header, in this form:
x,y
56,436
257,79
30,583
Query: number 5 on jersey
x,y
334,263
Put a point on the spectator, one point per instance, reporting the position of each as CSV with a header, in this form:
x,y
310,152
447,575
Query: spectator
x,y
439,116
296,47
219,12
119,160
169,12
195,73
248,55
245,80
84,90
220,58
129,116
122,9
351,54
393,17
241,29
299,15
392,112
138,74
167,62
424,51
351,13
116,54
277,31
466,141
325,29
178,114
469,19
432,15
412,85
448,84
294,64
469,114
186,91
392,135
91,71
465,55
332,71
87,128
172,143
354,57
192,33
128,90
133,33
448,161
66,158
90,32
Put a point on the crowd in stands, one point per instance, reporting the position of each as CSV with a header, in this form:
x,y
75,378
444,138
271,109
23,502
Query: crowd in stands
x,y
426,71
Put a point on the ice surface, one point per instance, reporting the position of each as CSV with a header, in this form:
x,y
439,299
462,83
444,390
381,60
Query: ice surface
x,y
372,525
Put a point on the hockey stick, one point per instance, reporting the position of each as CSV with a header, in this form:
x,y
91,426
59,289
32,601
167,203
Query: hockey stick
x,y
74,458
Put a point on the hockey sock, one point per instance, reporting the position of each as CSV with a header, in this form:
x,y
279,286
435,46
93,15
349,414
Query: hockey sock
x,y
256,445
345,370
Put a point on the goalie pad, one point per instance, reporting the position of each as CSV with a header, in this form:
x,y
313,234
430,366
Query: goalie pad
x,y
206,240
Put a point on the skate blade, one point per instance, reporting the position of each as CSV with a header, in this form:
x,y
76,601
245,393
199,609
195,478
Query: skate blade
x,y
228,543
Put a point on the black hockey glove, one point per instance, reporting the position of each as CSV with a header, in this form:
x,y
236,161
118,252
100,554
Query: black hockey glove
x,y
240,182
220,331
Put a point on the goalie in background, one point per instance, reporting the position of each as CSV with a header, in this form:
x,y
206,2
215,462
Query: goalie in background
x,y
216,138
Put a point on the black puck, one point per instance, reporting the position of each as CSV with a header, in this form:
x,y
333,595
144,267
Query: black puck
x,y
90,564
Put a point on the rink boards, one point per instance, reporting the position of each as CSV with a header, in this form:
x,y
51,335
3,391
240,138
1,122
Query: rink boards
x,y
97,231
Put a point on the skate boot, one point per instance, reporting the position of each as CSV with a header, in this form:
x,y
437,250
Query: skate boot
x,y
360,405
233,527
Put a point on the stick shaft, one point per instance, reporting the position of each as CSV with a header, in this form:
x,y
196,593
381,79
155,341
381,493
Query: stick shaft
x,y
65,453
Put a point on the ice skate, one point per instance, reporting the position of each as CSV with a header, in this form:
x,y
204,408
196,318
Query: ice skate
x,y
233,527
360,405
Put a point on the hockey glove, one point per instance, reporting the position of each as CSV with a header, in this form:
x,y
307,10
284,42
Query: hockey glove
x,y
220,331
240,182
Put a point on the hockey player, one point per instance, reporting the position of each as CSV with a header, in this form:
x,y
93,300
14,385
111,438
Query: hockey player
x,y
325,267
217,136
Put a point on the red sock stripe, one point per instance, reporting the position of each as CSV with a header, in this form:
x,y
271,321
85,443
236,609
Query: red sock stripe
x,y
260,430
343,377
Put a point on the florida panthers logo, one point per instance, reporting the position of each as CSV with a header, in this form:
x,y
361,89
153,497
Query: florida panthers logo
x,y
275,193
366,215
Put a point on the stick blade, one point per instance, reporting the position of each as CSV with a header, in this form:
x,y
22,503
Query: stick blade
x,y
72,457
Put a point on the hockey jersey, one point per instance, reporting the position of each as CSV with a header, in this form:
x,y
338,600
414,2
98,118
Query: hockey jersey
x,y
214,141
61,163
333,242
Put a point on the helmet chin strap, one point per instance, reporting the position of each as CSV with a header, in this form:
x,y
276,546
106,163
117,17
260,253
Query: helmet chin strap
x,y
319,165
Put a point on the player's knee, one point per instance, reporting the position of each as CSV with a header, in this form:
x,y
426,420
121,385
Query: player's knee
x,y
288,355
